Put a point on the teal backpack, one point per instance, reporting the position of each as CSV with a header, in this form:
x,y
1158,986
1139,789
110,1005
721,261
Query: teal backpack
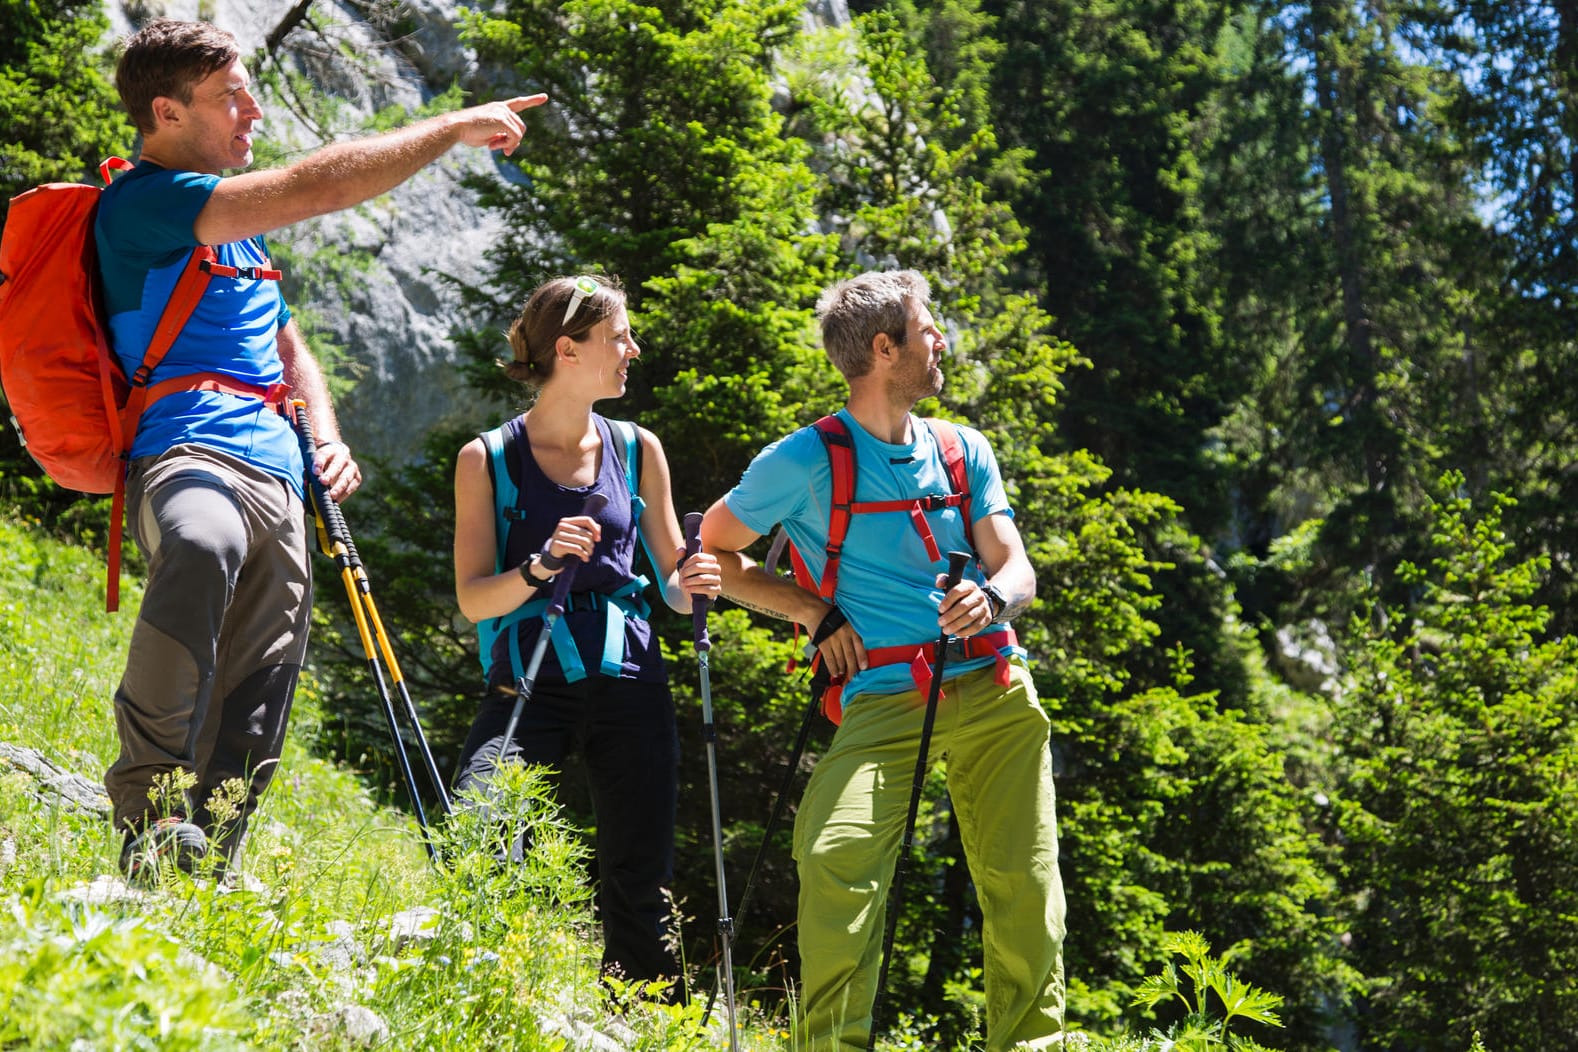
x,y
627,602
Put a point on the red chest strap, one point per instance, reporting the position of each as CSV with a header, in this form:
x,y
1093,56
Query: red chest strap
x,y
840,448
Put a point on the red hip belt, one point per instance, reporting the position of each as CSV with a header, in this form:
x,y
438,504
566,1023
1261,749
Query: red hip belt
x,y
922,660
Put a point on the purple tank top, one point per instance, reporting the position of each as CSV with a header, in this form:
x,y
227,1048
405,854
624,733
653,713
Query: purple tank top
x,y
543,503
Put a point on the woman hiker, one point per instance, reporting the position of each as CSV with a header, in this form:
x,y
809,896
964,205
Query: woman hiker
x,y
601,688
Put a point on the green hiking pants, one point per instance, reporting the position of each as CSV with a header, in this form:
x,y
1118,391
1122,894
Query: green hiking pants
x,y
847,837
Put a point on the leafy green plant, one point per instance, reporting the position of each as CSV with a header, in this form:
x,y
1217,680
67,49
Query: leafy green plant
x,y
70,970
1192,984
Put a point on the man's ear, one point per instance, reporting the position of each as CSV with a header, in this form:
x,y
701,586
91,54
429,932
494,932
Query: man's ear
x,y
883,349
167,112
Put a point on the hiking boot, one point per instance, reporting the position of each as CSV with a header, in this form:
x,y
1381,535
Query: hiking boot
x,y
170,841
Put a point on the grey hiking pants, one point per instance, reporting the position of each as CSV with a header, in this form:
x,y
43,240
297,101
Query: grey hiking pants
x,y
219,638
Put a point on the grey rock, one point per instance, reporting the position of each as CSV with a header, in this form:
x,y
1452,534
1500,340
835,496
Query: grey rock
x,y
52,784
392,324
351,1024
414,925
1306,655
104,890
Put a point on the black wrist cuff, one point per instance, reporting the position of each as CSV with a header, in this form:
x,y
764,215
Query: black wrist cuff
x,y
832,622
531,578
549,560
995,602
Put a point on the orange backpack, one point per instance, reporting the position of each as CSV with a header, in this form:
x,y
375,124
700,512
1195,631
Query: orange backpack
x,y
73,407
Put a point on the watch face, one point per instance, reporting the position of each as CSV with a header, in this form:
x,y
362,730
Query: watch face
x,y
994,597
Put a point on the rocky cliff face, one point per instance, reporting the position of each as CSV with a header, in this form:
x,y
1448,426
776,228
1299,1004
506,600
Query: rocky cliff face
x,y
371,283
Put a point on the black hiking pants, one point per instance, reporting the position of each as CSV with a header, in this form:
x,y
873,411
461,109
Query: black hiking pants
x,y
625,734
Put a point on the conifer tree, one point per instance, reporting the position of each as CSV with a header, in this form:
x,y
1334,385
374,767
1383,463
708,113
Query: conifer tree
x,y
59,115
1458,804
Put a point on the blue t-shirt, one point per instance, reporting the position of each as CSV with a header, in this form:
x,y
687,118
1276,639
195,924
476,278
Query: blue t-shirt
x,y
144,234
887,584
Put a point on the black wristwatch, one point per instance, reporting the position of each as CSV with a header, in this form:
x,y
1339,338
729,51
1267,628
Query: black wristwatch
x,y
994,599
530,577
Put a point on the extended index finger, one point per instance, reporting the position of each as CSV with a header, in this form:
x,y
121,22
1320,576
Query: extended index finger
x,y
526,102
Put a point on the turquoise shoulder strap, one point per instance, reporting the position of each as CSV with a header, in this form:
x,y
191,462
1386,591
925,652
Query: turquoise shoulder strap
x,y
627,603
627,447
505,494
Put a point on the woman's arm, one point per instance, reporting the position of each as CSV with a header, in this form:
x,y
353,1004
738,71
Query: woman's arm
x,y
481,592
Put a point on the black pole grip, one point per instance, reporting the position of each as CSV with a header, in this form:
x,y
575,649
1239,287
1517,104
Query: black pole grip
x,y
561,587
333,520
699,604
957,561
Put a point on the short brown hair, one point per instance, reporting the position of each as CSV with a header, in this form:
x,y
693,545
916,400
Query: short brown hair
x,y
169,58
854,311
536,330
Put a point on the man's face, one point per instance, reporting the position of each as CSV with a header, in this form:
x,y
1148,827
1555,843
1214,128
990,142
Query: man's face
x,y
920,358
218,132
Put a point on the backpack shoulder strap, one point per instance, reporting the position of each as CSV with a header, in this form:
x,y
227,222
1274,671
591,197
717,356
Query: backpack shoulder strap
x,y
189,289
505,497
627,449
840,448
951,446
505,493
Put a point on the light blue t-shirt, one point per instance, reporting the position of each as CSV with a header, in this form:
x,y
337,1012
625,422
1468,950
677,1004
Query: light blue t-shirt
x,y
887,584
144,235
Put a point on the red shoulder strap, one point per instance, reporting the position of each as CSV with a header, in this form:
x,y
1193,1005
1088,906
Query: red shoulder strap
x,y
841,458
188,292
952,448
113,164
189,289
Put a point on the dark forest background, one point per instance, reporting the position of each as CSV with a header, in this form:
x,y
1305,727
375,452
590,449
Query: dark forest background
x,y
1268,309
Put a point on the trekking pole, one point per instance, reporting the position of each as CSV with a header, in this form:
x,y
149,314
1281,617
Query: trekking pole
x,y
561,591
767,833
334,540
709,733
780,801
956,564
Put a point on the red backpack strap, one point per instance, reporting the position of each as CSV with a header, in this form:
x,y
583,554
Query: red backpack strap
x,y
112,583
113,164
188,293
951,446
841,458
189,289
840,447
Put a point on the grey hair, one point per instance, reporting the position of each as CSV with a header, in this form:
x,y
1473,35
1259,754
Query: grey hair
x,y
852,312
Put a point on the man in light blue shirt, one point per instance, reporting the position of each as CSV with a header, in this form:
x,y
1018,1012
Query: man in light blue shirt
x,y
876,634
